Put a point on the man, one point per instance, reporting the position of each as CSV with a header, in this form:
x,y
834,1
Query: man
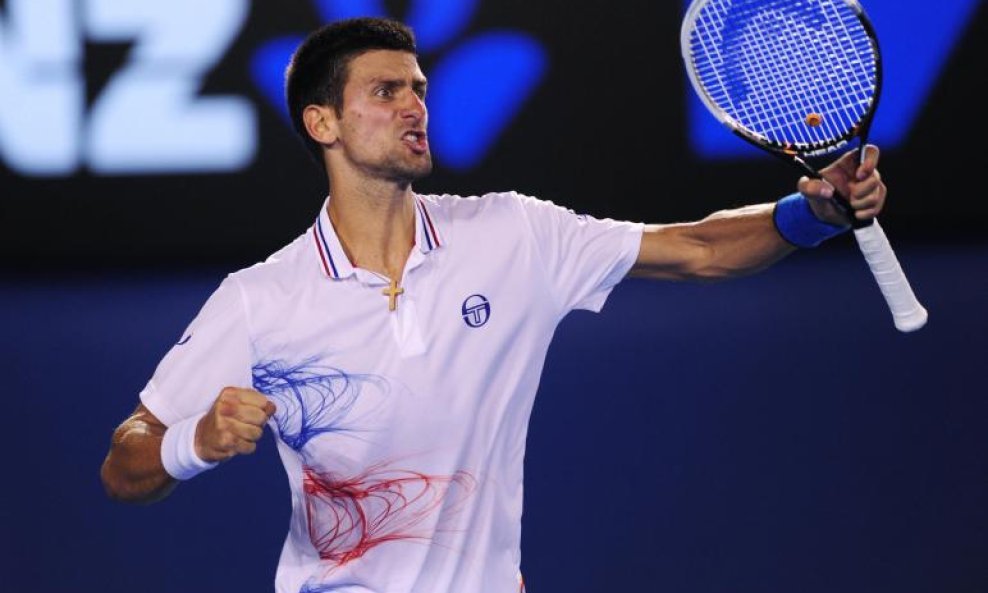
x,y
395,348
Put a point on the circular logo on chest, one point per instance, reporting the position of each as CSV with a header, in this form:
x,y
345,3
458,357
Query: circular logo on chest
x,y
476,310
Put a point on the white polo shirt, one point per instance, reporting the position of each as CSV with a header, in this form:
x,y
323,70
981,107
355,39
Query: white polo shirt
x,y
402,433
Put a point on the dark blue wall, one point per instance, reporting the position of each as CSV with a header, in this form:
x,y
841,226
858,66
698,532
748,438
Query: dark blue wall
x,y
769,434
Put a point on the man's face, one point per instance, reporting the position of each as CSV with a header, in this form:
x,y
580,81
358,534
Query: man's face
x,y
383,126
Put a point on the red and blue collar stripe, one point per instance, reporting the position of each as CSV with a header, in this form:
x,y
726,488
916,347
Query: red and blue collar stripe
x,y
329,264
428,236
334,261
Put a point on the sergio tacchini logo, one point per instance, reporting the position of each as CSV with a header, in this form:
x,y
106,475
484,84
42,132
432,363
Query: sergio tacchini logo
x,y
476,310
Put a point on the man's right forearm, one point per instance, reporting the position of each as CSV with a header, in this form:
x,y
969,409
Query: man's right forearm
x,y
132,471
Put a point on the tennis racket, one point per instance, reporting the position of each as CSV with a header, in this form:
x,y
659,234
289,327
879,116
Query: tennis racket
x,y
799,79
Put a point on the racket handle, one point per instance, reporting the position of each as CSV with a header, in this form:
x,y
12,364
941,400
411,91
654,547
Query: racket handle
x,y
907,313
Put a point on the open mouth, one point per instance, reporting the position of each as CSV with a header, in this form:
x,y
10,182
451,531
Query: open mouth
x,y
416,140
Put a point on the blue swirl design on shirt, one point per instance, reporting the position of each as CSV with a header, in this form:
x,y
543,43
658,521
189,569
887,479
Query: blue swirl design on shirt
x,y
312,399
319,588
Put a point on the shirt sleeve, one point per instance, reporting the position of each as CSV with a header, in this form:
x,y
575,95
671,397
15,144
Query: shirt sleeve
x,y
214,353
584,257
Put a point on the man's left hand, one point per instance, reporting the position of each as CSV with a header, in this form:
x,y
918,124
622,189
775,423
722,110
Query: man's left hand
x,y
860,183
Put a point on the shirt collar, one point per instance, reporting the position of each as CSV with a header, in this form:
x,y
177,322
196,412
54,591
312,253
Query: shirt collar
x,y
427,236
333,260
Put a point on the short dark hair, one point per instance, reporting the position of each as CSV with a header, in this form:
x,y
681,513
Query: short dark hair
x,y
319,68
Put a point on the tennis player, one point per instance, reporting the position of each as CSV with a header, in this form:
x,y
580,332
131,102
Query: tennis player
x,y
395,347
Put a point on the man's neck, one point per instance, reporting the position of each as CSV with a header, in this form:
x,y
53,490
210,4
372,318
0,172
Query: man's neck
x,y
375,221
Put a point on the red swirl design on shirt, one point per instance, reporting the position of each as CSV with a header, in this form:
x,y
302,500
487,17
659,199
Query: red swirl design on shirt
x,y
348,516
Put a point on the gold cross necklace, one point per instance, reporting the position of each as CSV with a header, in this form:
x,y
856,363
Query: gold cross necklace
x,y
392,292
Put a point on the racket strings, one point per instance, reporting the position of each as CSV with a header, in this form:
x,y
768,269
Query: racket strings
x,y
796,80
770,64
775,34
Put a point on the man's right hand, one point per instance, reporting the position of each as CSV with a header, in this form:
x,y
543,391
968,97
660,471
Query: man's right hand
x,y
233,425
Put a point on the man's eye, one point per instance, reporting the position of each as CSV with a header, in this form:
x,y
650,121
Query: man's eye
x,y
383,92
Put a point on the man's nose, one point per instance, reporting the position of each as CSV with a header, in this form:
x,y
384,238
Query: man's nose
x,y
414,107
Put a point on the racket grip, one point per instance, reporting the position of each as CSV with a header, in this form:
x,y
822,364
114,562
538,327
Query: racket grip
x,y
907,313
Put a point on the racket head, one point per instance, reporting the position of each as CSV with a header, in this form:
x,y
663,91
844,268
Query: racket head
x,y
799,77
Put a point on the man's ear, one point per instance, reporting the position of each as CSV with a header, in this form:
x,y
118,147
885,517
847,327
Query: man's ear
x,y
321,123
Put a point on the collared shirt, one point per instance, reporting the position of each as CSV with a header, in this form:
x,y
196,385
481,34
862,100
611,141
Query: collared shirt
x,y
402,432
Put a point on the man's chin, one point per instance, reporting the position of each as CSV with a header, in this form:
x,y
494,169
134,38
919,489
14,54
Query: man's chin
x,y
413,172
404,170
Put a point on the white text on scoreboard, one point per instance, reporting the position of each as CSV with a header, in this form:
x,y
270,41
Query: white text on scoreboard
x,y
149,117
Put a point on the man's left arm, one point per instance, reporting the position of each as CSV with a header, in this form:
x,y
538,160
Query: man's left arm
x,y
737,242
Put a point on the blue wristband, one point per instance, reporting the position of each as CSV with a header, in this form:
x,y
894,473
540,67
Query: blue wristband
x,y
795,221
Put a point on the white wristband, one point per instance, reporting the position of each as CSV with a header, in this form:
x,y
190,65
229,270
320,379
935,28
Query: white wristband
x,y
178,450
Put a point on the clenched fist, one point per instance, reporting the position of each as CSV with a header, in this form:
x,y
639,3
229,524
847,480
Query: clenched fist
x,y
233,425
